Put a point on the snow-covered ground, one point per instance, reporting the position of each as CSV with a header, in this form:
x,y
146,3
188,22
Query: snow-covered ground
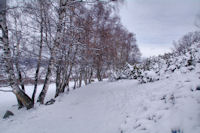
x,y
123,106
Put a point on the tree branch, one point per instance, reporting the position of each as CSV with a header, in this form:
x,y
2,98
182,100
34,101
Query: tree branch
x,y
6,90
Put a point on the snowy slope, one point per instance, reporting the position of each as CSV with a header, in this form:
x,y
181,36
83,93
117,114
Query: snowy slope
x,y
124,106
167,105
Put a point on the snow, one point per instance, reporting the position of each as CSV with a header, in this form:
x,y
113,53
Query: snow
x,y
124,106
167,104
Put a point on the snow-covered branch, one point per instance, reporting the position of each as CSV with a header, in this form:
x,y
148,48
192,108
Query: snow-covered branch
x,y
5,90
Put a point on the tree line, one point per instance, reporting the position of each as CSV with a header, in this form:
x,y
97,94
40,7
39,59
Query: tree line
x,y
65,40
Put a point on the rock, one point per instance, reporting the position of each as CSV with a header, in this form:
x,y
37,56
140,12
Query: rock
x,y
164,98
176,131
8,114
198,88
52,101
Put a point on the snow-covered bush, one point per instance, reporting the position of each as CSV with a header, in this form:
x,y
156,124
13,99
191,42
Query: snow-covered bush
x,y
127,72
183,59
156,68
148,76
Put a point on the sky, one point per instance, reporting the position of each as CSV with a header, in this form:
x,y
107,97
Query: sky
x,y
157,23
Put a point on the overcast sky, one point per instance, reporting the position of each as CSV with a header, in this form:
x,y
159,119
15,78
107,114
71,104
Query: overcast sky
x,y
157,23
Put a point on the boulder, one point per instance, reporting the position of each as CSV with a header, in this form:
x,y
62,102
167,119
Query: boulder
x,y
8,114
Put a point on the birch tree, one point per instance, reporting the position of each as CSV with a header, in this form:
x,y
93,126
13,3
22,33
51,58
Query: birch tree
x,y
9,65
57,41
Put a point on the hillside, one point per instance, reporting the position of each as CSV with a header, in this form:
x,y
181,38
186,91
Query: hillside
x,y
124,106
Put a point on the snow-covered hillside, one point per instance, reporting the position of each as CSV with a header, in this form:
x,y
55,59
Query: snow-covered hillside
x,y
124,106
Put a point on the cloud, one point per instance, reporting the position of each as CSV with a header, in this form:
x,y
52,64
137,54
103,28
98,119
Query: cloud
x,y
159,22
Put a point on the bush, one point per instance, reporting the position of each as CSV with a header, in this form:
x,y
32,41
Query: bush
x,y
127,72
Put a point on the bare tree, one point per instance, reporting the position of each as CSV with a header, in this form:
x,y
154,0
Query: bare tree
x,y
77,42
182,45
9,65
57,41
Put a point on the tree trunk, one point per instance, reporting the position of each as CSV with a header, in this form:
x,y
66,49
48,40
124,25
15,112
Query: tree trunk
x,y
20,105
99,74
46,82
21,96
80,80
91,74
58,79
61,14
17,55
86,76
75,82
40,54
